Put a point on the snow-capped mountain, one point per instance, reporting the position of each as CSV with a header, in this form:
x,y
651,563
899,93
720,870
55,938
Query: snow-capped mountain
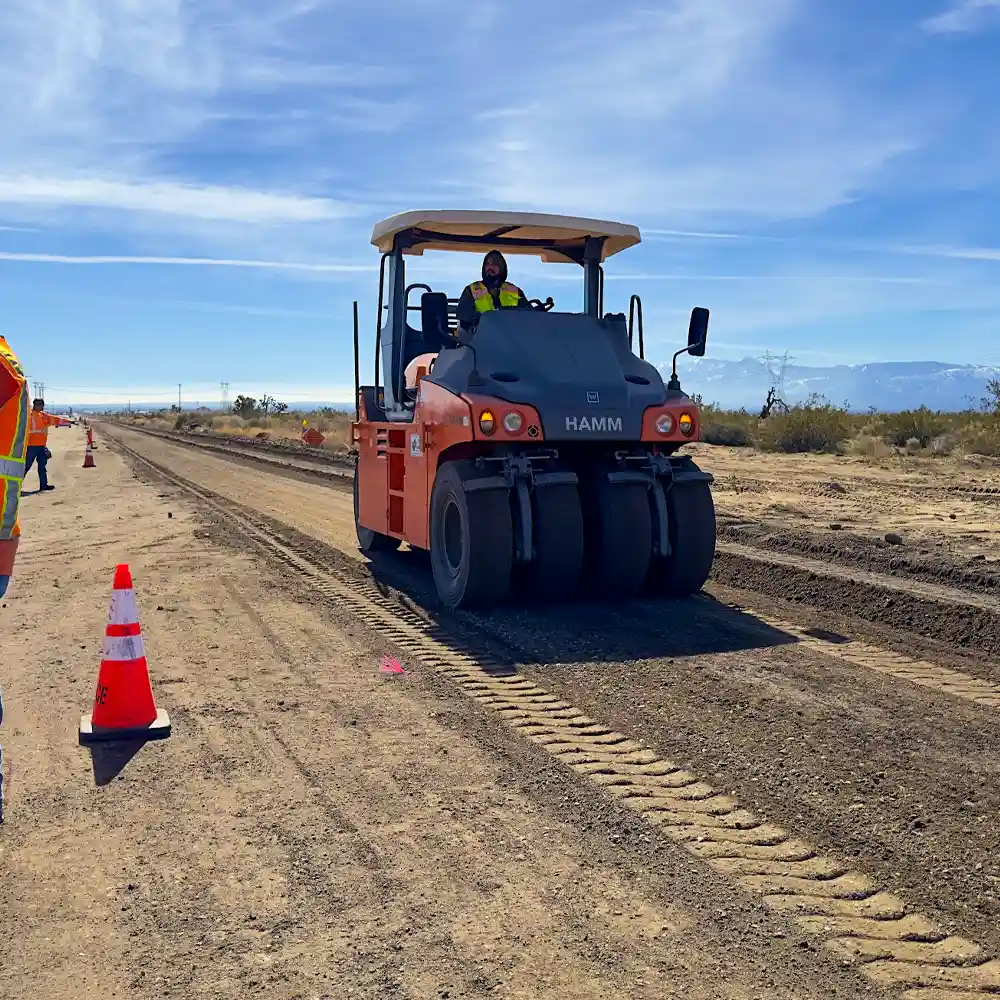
x,y
887,386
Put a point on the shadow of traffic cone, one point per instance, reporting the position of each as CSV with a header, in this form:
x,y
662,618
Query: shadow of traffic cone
x,y
88,458
123,703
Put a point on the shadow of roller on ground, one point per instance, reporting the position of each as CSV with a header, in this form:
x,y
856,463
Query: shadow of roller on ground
x,y
582,630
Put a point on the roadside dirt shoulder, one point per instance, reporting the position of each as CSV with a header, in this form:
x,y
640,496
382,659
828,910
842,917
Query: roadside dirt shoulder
x,y
808,735
311,828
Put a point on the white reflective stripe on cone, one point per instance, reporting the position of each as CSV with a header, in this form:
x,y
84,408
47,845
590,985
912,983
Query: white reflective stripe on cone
x,y
123,610
123,647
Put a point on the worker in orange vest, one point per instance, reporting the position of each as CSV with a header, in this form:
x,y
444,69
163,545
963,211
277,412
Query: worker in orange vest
x,y
38,441
13,447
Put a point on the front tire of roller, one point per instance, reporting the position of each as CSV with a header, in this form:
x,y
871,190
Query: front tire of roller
x,y
619,538
471,542
691,527
370,541
554,573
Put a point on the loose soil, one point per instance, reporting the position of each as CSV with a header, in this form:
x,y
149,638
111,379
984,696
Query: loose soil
x,y
312,828
897,776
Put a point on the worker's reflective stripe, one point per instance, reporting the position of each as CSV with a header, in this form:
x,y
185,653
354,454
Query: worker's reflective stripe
x,y
13,467
11,494
126,647
22,424
510,295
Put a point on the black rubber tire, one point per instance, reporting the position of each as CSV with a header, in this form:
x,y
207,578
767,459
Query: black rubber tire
x,y
371,541
471,541
619,538
555,572
691,527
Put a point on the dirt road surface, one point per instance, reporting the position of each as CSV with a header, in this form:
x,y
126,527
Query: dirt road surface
x,y
689,800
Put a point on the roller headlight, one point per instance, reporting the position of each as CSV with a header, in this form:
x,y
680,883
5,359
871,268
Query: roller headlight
x,y
512,422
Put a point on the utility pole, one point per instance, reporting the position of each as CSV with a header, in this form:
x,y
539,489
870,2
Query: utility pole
x,y
39,389
225,397
178,395
776,368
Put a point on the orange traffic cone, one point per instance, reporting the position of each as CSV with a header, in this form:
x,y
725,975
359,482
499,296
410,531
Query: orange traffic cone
x,y
88,458
90,439
123,703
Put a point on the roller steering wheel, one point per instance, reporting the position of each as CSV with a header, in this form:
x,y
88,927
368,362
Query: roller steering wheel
x,y
539,306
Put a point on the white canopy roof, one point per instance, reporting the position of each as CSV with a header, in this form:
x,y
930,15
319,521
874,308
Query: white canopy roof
x,y
551,234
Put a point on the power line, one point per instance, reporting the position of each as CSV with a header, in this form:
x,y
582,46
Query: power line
x,y
117,393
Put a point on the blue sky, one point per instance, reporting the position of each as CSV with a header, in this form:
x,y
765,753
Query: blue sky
x,y
822,174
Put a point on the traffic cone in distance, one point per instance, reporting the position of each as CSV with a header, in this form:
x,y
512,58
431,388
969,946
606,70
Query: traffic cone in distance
x,y
88,458
123,702
90,438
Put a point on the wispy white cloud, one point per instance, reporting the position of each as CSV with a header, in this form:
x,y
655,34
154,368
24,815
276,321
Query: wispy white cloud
x,y
269,265
951,253
686,235
128,97
787,278
963,17
846,245
708,113
194,201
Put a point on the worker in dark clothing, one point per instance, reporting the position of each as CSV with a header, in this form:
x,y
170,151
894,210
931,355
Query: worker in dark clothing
x,y
493,292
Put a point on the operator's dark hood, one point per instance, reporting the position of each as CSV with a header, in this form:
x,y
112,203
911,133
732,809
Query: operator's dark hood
x,y
499,257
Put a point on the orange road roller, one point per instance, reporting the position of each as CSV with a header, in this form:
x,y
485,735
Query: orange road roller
x,y
532,452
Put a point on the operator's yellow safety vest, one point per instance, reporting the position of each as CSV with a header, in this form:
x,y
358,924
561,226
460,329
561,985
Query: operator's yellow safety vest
x,y
510,295
13,439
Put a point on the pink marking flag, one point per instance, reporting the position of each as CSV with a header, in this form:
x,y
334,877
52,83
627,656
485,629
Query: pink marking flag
x,y
390,665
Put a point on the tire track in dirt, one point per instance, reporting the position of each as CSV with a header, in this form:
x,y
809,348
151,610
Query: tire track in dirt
x,y
920,672
470,963
960,576
958,618
967,621
853,917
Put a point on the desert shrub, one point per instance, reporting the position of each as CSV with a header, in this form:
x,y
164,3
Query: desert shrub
x,y
728,433
868,445
922,425
815,425
184,420
944,444
913,446
981,437
732,429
